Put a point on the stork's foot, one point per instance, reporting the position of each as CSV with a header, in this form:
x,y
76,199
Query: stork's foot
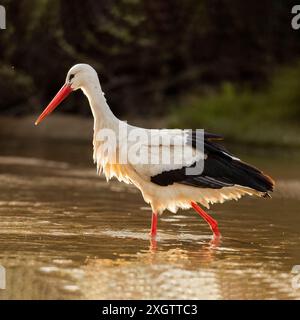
x,y
153,244
212,222
215,241
153,231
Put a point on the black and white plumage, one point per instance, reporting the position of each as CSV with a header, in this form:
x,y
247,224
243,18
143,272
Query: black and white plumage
x,y
164,185
221,170
167,186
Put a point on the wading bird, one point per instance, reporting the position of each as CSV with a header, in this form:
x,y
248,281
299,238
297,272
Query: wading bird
x,y
165,185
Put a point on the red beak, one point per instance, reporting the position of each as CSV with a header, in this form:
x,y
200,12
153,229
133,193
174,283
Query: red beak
x,y
60,96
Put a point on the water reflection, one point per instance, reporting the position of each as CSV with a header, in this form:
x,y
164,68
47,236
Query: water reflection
x,y
65,233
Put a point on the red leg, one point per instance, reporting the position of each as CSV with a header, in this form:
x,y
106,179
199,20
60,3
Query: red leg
x,y
153,244
154,225
212,222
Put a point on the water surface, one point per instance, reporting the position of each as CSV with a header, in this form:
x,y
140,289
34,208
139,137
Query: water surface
x,y
65,233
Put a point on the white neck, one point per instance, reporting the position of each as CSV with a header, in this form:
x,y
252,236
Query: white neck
x,y
103,116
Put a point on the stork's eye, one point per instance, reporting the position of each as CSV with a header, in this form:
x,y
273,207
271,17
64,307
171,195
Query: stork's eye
x,y
71,76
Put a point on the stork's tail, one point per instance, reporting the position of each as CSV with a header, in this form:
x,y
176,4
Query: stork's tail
x,y
249,176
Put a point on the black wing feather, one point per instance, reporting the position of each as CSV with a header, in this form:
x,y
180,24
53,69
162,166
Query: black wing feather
x,y
220,170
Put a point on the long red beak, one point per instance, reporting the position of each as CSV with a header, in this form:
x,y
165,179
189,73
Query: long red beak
x,y
60,96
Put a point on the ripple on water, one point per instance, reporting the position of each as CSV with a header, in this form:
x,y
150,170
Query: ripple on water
x,y
69,234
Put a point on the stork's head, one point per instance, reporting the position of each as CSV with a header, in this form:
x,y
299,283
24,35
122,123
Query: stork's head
x,y
78,77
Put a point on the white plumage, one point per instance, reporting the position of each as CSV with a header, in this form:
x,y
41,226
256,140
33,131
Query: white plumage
x,y
161,179
172,197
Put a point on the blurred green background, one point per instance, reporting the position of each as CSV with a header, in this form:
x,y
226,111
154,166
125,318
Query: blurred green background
x,y
232,67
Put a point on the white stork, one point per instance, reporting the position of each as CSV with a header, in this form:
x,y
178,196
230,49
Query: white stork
x,y
164,185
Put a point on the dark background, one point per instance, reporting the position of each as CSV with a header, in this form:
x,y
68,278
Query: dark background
x,y
194,62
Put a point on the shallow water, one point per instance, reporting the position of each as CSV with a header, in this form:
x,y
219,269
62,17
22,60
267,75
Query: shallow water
x,y
65,233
